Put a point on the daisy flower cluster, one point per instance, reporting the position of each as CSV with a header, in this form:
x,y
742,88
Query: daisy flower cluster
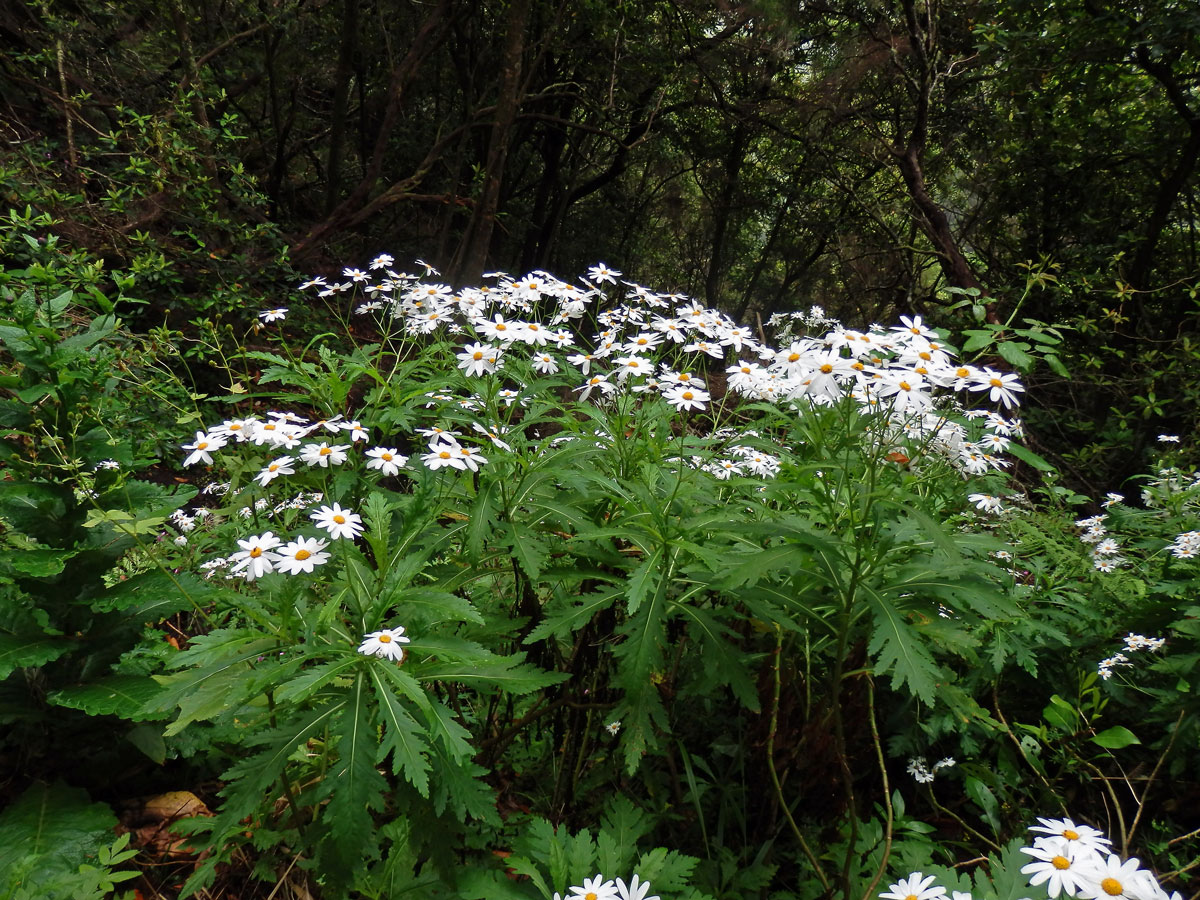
x,y
1173,488
1133,644
301,444
1070,859
668,347
1077,860
1105,550
925,774
599,888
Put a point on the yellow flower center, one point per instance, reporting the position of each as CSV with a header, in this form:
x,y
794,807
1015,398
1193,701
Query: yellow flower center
x,y
1070,835
339,519
687,395
911,897
905,386
827,368
270,426
386,457
590,895
857,366
925,356
477,355
445,454
996,382
256,553
324,451
202,445
792,357
915,330
385,639
501,327
272,467
962,372
1112,887
1060,863
302,554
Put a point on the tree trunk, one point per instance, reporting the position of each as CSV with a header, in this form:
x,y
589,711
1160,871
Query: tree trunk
x,y
473,252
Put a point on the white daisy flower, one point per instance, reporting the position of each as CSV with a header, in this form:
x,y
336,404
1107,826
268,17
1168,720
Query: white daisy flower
x,y
301,555
385,643
340,523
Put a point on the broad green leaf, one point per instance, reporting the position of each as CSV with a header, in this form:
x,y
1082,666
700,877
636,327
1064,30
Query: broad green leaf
x,y
125,696
21,652
149,739
50,830
1028,456
1061,714
40,563
1115,738
1056,365
1014,354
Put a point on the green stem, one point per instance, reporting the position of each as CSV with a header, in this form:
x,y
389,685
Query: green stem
x,y
887,792
771,732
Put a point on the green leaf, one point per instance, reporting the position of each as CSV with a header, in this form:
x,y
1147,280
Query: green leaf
x,y
250,777
354,788
149,739
563,621
49,831
1056,365
898,647
1028,456
642,580
641,656
985,799
507,673
977,339
312,680
21,652
481,519
40,563
1061,714
403,739
125,696
529,549
1115,738
457,785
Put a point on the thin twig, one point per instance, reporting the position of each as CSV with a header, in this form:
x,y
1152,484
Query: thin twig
x,y
1150,781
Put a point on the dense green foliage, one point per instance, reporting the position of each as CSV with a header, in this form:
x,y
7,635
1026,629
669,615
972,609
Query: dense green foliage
x,y
691,617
